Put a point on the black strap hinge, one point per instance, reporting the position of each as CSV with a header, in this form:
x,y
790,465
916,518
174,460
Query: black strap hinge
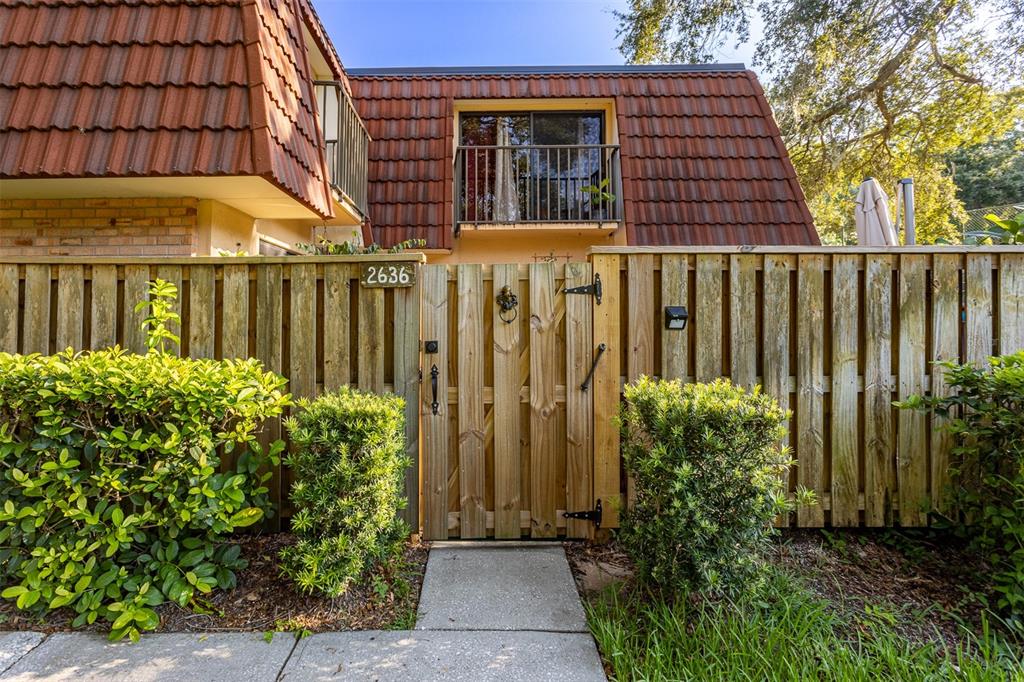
x,y
591,289
593,515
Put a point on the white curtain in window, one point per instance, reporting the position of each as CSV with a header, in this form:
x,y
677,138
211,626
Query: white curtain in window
x,y
506,194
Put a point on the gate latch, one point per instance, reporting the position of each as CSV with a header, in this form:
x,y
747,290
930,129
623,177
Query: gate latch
x,y
590,289
594,515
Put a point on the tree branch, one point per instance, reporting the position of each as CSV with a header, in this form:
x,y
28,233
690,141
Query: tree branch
x,y
892,65
949,68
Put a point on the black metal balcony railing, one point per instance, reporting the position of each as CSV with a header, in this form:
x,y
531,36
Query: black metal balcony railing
x,y
538,184
346,142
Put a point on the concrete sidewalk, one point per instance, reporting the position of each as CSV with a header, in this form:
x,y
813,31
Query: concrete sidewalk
x,y
494,611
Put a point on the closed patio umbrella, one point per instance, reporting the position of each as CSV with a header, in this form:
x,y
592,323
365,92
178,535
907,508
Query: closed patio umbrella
x,y
874,227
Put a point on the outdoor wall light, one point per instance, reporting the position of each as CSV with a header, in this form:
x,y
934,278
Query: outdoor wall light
x,y
675,317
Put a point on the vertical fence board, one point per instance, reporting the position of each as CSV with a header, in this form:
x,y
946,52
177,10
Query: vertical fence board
x,y
269,350
743,319
776,316
235,309
945,335
407,385
1011,303
136,290
302,331
708,318
878,480
543,411
103,324
8,308
674,343
202,313
639,328
507,465
337,322
234,341
371,339
979,309
70,302
472,466
434,319
36,334
845,474
640,316
607,391
579,406
810,384
912,452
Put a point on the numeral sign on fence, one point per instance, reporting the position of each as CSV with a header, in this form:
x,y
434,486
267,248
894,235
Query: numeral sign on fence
x,y
388,275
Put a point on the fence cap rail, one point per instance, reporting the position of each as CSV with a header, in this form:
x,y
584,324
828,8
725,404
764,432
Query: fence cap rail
x,y
405,257
906,250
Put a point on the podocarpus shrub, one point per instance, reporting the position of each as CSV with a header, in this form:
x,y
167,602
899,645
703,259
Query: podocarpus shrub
x,y
986,419
112,498
707,469
348,463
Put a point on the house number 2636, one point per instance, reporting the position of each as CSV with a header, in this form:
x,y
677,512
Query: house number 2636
x,y
388,275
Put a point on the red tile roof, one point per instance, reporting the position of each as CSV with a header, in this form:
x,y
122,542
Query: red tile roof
x,y
702,158
161,88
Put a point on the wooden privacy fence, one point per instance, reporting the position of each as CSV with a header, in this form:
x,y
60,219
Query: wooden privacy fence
x,y
308,318
835,334
511,439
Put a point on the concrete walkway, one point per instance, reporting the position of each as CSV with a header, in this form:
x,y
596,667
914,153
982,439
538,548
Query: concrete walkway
x,y
488,611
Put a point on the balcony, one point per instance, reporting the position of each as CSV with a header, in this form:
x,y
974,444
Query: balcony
x,y
346,143
538,186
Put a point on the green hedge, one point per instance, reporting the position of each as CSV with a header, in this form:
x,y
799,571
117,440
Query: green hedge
x,y
986,419
707,470
112,498
348,463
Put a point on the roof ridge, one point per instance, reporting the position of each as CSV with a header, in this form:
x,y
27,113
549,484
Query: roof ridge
x,y
112,3
454,71
123,43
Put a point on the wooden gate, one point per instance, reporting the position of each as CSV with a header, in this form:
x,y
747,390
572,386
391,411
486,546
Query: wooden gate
x,y
507,427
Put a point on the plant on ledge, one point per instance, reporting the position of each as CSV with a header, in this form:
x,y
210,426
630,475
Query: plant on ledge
x,y
326,247
113,497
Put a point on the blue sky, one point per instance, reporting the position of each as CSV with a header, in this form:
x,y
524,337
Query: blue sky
x,y
476,32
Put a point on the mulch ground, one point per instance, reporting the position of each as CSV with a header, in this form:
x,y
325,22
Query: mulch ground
x,y
265,601
929,579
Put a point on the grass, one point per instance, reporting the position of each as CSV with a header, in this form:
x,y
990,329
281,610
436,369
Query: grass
x,y
786,633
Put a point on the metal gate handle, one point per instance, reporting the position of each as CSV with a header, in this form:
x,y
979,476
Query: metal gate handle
x,y
433,388
590,375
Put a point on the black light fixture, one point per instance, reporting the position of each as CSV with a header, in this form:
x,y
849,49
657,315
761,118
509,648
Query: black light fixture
x,y
675,317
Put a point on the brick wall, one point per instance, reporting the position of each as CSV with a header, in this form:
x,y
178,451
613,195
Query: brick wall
x,y
98,227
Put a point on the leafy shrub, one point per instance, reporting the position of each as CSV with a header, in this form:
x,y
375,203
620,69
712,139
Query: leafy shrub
x,y
112,501
348,462
326,247
707,469
986,414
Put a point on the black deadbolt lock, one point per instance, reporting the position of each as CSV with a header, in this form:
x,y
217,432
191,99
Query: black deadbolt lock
x,y
430,346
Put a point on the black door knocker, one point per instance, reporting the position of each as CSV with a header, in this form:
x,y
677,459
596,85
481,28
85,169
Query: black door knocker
x,y
508,303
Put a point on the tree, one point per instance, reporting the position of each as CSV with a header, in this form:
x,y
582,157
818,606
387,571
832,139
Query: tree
x,y
990,173
862,87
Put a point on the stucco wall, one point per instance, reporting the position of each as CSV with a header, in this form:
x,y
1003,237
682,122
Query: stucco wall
x,y
525,245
